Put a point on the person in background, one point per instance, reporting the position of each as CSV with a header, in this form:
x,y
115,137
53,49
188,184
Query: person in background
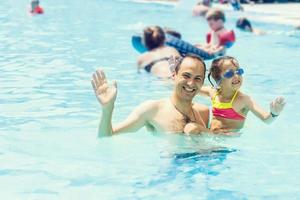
x,y
35,7
201,8
236,5
171,1
155,60
245,25
219,38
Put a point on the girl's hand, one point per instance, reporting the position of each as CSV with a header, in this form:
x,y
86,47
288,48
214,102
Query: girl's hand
x,y
277,105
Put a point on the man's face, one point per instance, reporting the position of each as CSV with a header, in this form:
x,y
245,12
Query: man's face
x,y
189,79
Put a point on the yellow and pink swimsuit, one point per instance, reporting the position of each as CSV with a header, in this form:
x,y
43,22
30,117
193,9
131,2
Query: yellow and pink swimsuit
x,y
225,110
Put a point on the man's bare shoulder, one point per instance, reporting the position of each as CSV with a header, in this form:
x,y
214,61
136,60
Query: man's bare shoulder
x,y
152,105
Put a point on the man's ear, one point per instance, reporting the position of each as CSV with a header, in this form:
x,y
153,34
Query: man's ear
x,y
173,75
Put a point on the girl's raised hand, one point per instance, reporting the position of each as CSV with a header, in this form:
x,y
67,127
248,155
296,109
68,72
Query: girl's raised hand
x,y
277,105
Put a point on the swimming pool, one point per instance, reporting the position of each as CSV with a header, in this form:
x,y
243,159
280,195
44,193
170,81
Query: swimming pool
x,y
49,115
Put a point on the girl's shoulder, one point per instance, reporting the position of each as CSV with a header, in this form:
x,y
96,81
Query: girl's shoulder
x,y
243,98
208,91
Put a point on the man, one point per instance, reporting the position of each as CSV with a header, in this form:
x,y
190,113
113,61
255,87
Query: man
x,y
201,8
176,114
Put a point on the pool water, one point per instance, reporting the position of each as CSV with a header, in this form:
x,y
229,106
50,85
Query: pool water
x,y
49,116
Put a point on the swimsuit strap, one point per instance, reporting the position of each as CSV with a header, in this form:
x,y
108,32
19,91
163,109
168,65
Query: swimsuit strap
x,y
162,59
234,96
214,97
150,65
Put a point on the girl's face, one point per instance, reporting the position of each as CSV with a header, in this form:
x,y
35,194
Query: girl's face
x,y
231,75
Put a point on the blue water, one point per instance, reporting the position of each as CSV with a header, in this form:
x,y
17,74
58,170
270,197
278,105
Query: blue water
x,y
49,115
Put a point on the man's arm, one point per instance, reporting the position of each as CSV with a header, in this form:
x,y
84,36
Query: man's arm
x,y
201,126
106,95
137,119
105,126
195,128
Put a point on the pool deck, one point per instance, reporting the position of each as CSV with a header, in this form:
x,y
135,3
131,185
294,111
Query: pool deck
x,y
281,13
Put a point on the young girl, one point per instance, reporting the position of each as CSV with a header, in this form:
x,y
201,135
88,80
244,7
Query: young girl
x,y
230,106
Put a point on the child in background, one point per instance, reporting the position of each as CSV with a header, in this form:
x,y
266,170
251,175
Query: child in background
x,y
219,38
201,8
35,7
230,105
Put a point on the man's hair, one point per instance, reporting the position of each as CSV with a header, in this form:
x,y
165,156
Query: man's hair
x,y
215,14
193,56
154,37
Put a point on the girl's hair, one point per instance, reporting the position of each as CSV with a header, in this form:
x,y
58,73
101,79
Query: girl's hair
x,y
154,37
216,67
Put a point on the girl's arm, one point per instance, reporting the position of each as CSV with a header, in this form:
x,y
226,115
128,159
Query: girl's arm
x,y
276,107
206,91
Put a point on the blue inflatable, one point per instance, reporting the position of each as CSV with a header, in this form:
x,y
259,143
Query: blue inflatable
x,y
137,44
182,46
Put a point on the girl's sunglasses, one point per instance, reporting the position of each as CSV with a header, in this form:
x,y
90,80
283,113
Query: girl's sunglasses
x,y
230,73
